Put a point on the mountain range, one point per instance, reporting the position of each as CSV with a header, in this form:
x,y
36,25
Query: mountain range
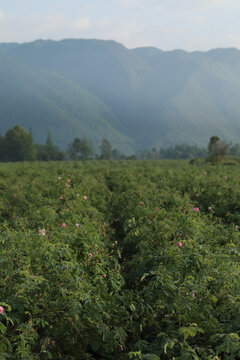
x,y
136,98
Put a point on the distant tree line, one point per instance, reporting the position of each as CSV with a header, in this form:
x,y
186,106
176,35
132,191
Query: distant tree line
x,y
182,151
18,145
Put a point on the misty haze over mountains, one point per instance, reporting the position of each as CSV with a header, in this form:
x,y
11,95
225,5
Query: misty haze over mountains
x,y
137,98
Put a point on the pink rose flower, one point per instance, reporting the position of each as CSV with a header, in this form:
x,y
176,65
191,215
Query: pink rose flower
x,y
64,225
91,256
196,209
69,181
1,310
179,244
77,225
85,197
60,197
42,232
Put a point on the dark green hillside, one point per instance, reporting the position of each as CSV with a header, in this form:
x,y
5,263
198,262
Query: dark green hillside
x,y
42,100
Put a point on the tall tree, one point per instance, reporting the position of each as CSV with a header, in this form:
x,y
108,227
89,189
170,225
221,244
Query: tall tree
x,y
105,150
49,147
234,150
80,149
2,148
19,145
116,155
217,148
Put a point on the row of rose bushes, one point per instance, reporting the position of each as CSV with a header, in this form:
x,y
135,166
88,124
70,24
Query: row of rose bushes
x,y
183,264
118,260
60,283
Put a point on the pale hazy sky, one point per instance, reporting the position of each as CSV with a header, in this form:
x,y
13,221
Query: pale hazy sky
x,y
166,24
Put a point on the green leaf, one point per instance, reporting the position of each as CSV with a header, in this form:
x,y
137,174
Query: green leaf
x,y
189,331
3,328
144,275
168,343
132,307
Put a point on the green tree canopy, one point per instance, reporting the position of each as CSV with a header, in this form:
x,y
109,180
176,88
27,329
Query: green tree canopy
x,y
49,152
217,148
80,149
19,145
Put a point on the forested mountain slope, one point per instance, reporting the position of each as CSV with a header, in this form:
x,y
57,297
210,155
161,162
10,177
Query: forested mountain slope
x,y
44,101
136,98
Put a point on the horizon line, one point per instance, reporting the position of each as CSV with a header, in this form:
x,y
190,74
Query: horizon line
x,y
117,42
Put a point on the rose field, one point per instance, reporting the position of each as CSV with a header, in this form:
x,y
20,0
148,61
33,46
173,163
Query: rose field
x,y
114,260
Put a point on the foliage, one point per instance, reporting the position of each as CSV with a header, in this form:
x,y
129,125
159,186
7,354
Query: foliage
x,y
80,149
180,151
49,152
18,145
105,150
119,260
217,149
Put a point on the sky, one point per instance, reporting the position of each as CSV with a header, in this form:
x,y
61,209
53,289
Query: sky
x,y
165,24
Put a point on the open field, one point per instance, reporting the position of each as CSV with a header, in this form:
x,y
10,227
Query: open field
x,y
119,260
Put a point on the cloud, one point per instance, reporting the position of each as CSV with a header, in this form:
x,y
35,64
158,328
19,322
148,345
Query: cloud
x,y
199,20
126,2
233,40
195,6
165,24
82,23
28,28
50,22
218,2
124,31
212,4
104,22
